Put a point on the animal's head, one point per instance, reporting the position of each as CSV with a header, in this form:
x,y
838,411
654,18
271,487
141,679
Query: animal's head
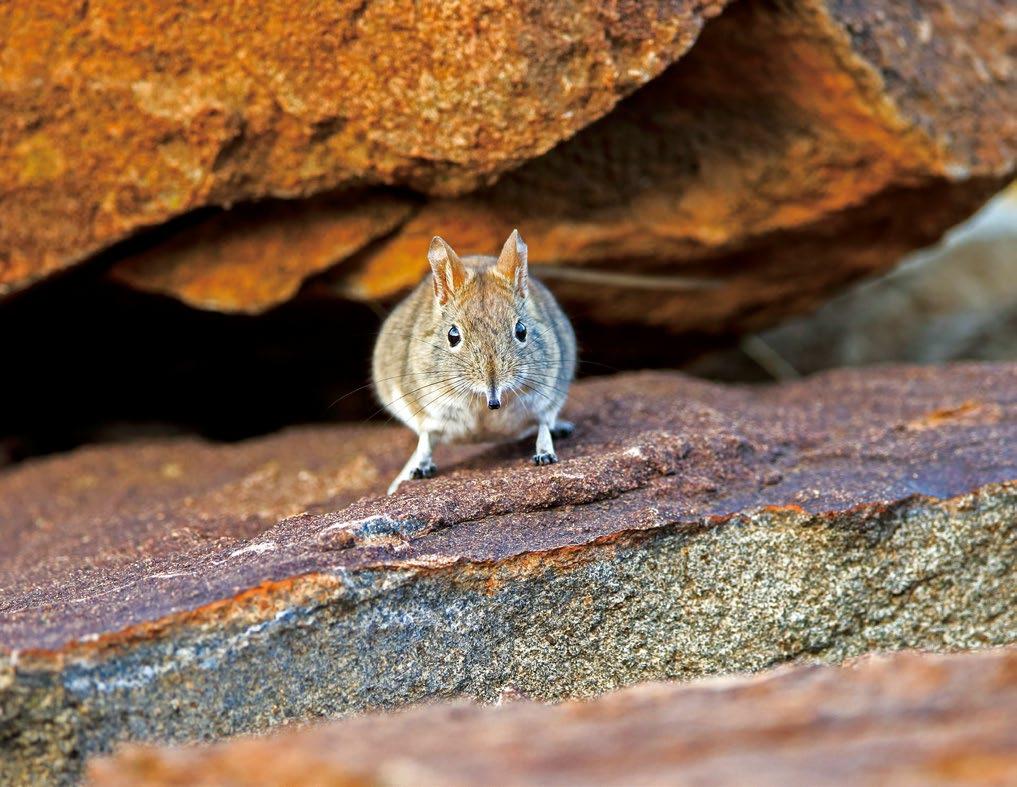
x,y
483,340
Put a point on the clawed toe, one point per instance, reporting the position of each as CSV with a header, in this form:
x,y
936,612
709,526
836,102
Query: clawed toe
x,y
545,459
426,470
563,429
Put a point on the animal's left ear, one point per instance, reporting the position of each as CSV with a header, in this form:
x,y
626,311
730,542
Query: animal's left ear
x,y
512,263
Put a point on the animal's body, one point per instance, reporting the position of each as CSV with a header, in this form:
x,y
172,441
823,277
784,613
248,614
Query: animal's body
x,y
479,351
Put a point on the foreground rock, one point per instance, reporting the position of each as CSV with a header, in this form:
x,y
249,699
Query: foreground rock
x,y
901,719
177,590
115,116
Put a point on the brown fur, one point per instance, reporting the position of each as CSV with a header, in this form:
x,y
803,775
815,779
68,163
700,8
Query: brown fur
x,y
443,392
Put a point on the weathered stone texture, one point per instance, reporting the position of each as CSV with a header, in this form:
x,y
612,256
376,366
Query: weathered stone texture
x,y
173,590
906,718
252,259
797,146
119,115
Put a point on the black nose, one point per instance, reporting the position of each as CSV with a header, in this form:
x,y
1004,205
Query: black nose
x,y
494,404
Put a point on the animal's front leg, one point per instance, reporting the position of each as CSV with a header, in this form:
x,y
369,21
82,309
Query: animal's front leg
x,y
545,454
419,464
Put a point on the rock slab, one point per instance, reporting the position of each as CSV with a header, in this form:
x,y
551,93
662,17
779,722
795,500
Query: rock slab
x,y
119,115
175,590
907,718
794,148
766,155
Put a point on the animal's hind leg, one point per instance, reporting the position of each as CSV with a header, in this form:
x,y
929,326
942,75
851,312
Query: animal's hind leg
x,y
562,429
419,464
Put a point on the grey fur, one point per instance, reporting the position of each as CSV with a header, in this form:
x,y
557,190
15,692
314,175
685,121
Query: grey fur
x,y
443,392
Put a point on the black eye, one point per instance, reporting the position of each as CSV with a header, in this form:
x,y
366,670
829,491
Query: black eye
x,y
520,331
454,337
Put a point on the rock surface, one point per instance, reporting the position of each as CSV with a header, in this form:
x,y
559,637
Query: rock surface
x,y
119,115
251,259
778,160
174,589
906,718
796,147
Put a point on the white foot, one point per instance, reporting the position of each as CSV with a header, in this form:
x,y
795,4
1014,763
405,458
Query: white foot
x,y
418,466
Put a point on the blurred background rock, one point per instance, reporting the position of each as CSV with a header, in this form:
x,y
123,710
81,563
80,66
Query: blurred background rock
x,y
954,301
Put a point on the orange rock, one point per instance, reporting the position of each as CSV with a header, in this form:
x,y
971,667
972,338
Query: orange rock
x,y
252,258
120,115
796,147
793,149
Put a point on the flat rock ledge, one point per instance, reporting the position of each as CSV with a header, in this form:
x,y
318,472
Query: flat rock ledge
x,y
905,718
178,590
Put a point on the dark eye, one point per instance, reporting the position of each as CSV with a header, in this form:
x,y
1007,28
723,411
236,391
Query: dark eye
x,y
454,337
520,331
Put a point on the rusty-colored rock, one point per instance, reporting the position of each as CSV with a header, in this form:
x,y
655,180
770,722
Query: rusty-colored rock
x,y
120,115
908,718
252,258
174,589
796,147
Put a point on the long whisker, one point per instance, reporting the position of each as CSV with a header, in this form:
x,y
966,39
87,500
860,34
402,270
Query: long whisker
x,y
544,385
408,393
433,400
530,389
384,380
463,395
460,391
535,388
550,380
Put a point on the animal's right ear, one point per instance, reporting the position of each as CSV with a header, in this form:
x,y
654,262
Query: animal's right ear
x,y
448,271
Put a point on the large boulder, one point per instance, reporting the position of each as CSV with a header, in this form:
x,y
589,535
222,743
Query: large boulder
x,y
119,115
174,589
796,147
905,718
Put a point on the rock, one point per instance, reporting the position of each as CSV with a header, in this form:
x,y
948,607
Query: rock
x,y
117,116
796,147
956,301
172,589
907,718
252,258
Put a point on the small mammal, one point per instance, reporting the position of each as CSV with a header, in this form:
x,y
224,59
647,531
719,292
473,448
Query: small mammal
x,y
478,351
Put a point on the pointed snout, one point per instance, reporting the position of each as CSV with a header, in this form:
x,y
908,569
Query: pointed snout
x,y
493,402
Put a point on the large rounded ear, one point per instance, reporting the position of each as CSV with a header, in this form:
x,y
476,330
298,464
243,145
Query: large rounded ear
x,y
448,271
512,263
